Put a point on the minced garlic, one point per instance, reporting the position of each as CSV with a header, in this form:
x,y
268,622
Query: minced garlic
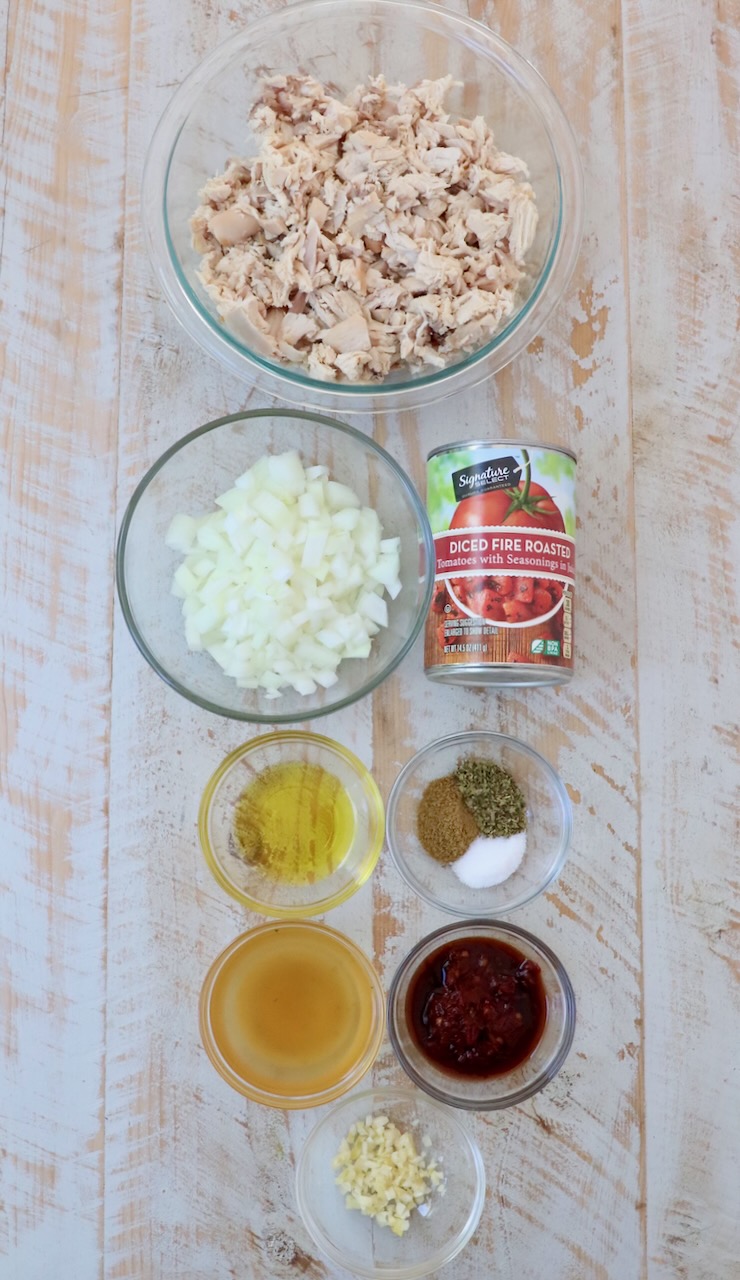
x,y
382,1174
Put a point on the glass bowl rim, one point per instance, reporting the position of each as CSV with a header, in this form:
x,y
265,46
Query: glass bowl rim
x,y
551,1068
211,335
469,736
310,713
369,859
412,1271
292,1102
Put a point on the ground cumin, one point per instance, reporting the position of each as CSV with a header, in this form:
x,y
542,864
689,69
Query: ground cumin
x,y
444,824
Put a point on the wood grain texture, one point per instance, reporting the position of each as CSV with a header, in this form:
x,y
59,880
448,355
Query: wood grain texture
x,y
682,82
124,1155
60,278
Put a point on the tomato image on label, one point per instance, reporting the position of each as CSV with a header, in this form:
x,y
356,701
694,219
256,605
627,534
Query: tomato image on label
x,y
528,504
508,599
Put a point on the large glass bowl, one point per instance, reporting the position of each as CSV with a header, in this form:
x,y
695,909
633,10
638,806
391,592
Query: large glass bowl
x,y
436,1233
493,1093
188,478
343,44
549,824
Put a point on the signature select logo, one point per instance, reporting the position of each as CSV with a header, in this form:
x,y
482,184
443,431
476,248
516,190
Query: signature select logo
x,y
483,477
476,479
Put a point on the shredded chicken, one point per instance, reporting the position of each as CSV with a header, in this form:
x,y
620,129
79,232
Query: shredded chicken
x,y
366,234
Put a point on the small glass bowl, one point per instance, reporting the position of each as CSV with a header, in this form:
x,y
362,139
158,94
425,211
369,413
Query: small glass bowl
x,y
353,1240
549,825
353,1025
247,881
188,478
343,44
496,1092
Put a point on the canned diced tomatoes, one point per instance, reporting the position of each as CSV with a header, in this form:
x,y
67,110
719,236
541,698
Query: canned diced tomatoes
x,y
504,519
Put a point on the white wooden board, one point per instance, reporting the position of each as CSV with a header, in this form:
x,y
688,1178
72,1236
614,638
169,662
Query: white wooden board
x,y
124,1155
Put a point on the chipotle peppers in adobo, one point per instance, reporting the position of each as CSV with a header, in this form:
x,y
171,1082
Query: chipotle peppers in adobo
x,y
477,1007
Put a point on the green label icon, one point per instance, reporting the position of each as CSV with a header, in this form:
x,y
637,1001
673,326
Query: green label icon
x,y
538,646
552,648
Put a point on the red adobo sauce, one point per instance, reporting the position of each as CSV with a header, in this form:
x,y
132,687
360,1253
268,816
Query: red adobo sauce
x,y
477,1007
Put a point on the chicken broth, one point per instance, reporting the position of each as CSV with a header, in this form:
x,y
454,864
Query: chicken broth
x,y
292,1011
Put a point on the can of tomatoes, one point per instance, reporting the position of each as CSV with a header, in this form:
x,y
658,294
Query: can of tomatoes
x,y
503,516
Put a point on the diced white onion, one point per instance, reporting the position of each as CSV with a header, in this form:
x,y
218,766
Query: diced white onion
x,y
285,578
181,534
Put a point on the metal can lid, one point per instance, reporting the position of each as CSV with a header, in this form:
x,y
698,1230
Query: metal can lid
x,y
499,675
504,443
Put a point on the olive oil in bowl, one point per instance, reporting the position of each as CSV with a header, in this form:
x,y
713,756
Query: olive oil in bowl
x,y
291,824
295,821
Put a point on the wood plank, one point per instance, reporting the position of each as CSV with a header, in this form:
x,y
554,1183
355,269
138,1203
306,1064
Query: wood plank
x,y
199,1182
564,1170
60,283
682,86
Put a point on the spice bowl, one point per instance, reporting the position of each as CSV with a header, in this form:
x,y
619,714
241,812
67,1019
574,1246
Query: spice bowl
x,y
292,1014
437,1231
548,824
326,818
547,1050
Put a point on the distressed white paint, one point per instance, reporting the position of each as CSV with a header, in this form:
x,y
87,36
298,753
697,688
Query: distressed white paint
x,y
683,82
125,1155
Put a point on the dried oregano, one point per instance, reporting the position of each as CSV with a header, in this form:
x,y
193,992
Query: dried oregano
x,y
492,796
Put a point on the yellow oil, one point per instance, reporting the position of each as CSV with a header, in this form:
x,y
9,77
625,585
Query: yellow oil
x,y
296,821
293,1011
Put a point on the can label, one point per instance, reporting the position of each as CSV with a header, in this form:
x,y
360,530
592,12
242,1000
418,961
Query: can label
x,y
503,518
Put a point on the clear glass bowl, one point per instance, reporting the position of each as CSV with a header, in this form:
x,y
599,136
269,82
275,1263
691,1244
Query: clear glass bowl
x,y
513,1087
549,825
247,881
188,478
353,1240
289,963
207,121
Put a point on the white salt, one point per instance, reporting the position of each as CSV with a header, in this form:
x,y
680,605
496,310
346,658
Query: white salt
x,y
490,860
